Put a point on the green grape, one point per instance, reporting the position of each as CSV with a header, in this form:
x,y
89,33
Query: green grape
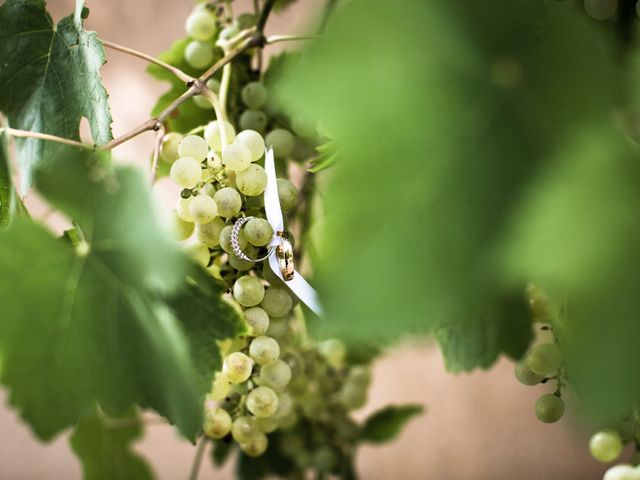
x,y
215,271
285,406
228,32
264,350
302,127
256,446
180,229
360,376
225,239
203,209
601,9
276,375
268,424
248,291
246,20
334,350
621,472
208,189
198,252
253,120
313,406
237,367
198,54
544,359
262,402
258,232
241,264
257,319
352,396
217,423
201,25
253,141
193,146
278,327
236,157
282,141
271,277
254,95
326,459
549,408
277,302
209,233
186,172
213,137
287,193
220,387
244,428
538,304
201,100
606,445
254,203
182,209
525,375
169,147
228,201
252,181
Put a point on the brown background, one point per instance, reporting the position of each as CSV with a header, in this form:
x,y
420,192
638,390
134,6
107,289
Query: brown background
x,y
478,426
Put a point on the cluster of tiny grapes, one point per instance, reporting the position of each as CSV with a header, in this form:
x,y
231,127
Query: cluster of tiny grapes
x,y
542,362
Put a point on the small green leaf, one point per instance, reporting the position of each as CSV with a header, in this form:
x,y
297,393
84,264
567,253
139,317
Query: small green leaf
x,y
328,154
221,451
104,448
49,80
384,425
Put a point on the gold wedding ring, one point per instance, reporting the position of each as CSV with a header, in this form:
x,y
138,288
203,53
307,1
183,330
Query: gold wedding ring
x,y
284,252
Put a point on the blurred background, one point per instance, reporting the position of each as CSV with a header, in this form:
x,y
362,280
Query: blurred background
x,y
480,425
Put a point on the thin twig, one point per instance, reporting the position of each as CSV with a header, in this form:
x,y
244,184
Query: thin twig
x,y
156,154
45,136
270,40
197,460
176,71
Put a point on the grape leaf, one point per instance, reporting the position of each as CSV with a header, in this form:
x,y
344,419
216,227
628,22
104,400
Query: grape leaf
x,y
77,328
384,425
328,154
105,450
437,146
49,79
8,197
220,451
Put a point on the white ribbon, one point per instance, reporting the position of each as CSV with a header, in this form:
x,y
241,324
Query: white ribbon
x,y
298,285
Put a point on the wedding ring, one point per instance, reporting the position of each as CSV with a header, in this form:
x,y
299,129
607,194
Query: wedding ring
x,y
284,252
235,242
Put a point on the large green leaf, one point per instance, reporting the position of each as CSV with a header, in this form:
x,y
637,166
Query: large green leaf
x,y
49,79
104,448
437,146
87,326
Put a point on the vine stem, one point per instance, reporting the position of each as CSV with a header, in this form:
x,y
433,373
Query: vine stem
x,y
197,460
44,136
156,154
270,40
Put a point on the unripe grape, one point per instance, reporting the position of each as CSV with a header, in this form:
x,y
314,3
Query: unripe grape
x,y
282,141
268,424
182,209
193,146
525,375
217,423
209,234
606,445
241,264
276,375
264,350
544,359
186,172
334,350
236,157
262,402
237,367
169,147
257,319
203,209
220,387
253,120
538,304
256,446
326,459
248,291
198,252
201,25
278,327
213,137
352,396
252,181
201,100
258,232
254,95
225,238
228,201
228,32
287,193
601,9
277,302
621,472
360,375
302,127
178,228
285,406
253,141
198,54
549,408
244,429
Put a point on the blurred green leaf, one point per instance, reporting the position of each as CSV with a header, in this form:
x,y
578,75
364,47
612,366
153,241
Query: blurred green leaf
x,y
8,197
50,79
221,451
437,146
384,425
105,449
